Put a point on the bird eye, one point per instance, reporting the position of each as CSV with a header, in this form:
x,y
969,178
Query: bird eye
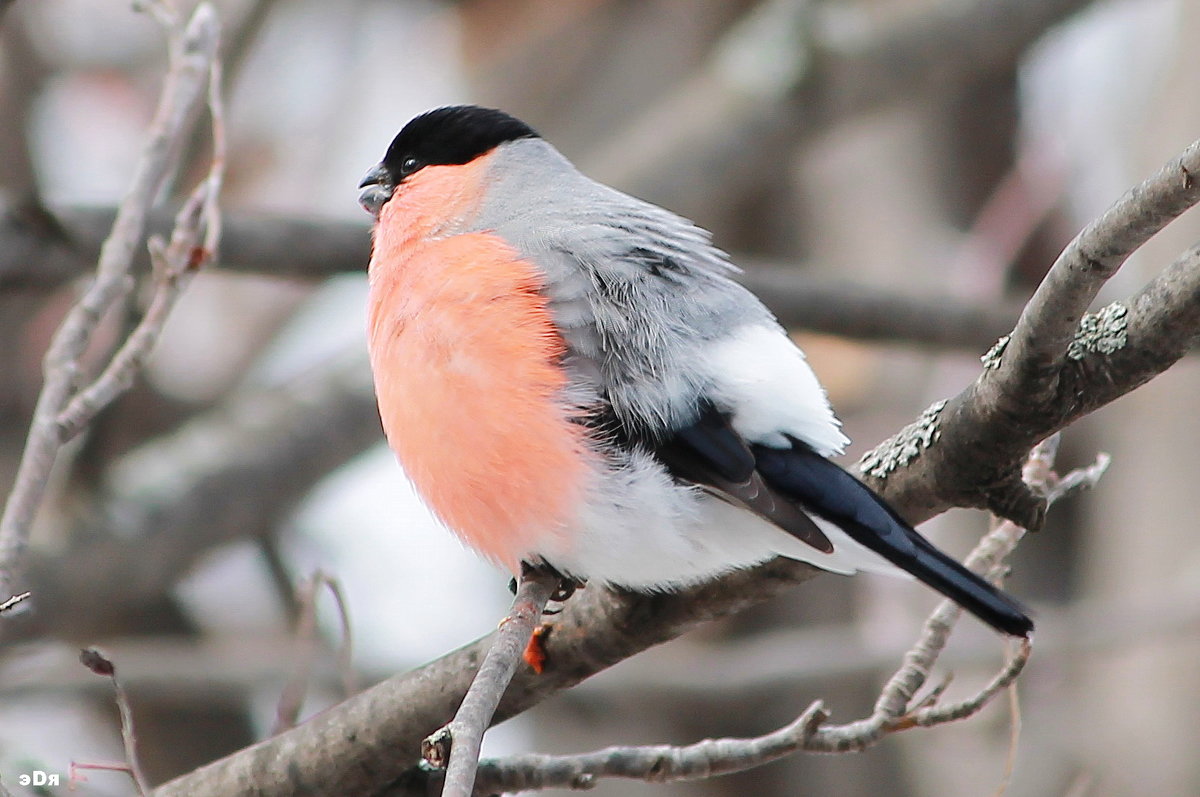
x,y
410,165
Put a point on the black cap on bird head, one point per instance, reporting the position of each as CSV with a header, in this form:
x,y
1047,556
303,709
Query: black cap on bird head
x,y
452,135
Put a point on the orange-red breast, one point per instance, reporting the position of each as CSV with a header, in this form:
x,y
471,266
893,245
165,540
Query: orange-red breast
x,y
571,377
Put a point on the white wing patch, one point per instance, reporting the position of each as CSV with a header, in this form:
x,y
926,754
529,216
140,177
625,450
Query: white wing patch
x,y
763,380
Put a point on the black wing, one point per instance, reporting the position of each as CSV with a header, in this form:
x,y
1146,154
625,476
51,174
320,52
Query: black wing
x,y
711,454
786,485
833,494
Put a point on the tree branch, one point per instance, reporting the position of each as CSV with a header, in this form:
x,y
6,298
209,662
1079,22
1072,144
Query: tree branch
x,y
894,710
320,248
456,744
193,52
1041,378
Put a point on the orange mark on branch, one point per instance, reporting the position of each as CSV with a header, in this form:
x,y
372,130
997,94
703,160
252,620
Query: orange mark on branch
x,y
197,257
535,651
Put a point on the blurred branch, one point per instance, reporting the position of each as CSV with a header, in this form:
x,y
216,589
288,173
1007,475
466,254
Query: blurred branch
x,y
193,52
100,664
767,663
287,711
230,473
698,137
315,249
23,73
273,245
863,312
599,628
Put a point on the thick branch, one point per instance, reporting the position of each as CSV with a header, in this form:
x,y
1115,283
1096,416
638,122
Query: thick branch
x,y
968,451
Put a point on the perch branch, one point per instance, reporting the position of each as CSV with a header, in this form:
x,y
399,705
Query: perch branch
x,y
455,746
894,710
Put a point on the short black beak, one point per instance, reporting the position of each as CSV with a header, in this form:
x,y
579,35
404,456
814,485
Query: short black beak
x,y
377,189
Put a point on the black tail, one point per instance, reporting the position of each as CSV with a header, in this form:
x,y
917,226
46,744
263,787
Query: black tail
x,y
829,492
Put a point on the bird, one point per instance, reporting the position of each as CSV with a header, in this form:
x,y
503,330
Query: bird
x,y
572,378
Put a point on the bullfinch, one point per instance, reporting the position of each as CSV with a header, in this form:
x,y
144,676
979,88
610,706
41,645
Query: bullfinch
x,y
571,377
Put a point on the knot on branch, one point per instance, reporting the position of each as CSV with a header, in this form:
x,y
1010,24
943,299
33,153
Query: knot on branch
x,y
1013,499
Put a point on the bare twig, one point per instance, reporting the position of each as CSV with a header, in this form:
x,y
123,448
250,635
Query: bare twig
x,y
292,698
663,763
345,652
192,49
455,745
173,267
659,763
100,664
13,602
1014,738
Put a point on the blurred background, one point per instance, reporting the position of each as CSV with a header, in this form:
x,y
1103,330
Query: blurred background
x,y
894,175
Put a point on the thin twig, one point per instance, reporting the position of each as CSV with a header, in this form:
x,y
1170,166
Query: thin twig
x,y
1014,738
14,601
456,745
100,664
172,267
172,270
705,759
658,763
292,698
345,652
193,50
